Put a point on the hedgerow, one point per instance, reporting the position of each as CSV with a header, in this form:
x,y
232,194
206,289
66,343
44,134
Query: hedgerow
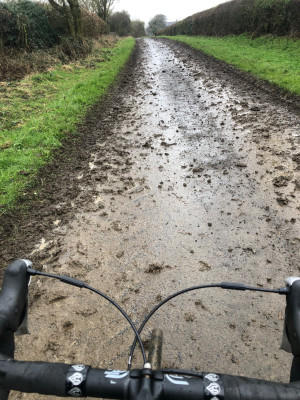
x,y
256,17
30,25
93,26
25,24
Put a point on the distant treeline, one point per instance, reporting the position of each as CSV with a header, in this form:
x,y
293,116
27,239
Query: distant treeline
x,y
256,17
31,25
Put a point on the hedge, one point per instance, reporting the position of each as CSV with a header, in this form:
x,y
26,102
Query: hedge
x,y
93,26
30,25
26,25
256,17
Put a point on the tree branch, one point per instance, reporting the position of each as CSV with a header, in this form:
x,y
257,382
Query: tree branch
x,y
56,6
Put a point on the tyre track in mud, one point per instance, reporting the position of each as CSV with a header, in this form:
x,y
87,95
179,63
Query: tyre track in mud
x,y
190,175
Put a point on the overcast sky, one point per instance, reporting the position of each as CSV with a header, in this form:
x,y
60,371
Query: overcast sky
x,y
173,10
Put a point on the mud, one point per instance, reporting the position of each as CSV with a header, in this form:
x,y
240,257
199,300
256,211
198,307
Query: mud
x,y
188,175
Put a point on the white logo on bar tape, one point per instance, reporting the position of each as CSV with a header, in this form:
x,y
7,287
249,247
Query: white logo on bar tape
x,y
177,380
76,378
115,374
78,368
214,389
75,392
212,377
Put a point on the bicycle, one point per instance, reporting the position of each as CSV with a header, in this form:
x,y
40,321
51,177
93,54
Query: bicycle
x,y
58,379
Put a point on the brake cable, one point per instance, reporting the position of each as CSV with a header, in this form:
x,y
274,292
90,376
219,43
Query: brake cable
x,y
137,332
222,285
80,284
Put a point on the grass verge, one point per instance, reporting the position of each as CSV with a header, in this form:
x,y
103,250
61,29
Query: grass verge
x,y
274,59
38,112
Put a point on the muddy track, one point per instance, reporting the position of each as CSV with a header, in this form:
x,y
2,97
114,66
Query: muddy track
x,y
188,174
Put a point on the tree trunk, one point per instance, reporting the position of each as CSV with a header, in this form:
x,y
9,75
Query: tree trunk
x,y
72,16
77,19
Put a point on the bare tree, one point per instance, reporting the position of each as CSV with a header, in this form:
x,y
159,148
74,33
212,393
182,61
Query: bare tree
x,y
103,8
138,28
120,23
89,5
158,22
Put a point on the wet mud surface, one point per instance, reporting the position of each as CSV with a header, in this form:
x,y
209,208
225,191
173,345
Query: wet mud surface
x,y
189,175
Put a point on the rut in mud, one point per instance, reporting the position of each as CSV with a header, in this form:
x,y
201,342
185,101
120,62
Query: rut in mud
x,y
190,175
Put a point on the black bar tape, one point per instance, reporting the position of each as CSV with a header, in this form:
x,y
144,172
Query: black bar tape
x,y
34,377
213,387
76,380
295,370
13,296
292,315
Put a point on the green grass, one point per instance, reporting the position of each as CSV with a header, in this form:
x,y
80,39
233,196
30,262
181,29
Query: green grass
x,y
276,60
38,112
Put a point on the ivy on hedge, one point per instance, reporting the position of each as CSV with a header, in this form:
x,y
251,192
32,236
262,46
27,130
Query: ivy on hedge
x,y
31,25
25,24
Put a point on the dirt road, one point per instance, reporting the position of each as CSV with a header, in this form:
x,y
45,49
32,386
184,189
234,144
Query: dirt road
x,y
190,175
